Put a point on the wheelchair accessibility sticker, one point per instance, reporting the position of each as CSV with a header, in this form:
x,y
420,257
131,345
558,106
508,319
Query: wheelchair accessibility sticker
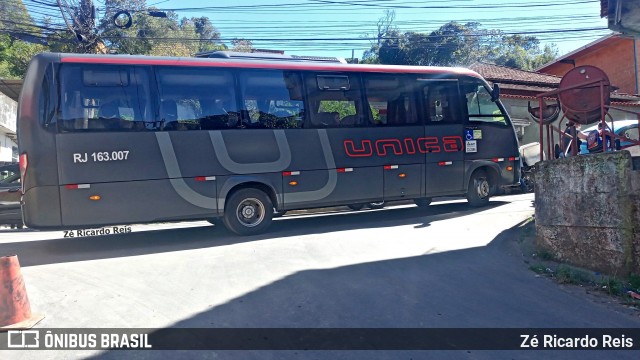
x,y
470,134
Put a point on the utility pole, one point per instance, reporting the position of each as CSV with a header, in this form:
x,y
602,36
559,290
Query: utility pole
x,y
80,20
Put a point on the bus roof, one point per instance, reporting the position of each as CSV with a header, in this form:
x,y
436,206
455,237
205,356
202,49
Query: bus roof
x,y
252,64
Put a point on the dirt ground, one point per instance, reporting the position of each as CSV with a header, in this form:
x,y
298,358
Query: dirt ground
x,y
592,286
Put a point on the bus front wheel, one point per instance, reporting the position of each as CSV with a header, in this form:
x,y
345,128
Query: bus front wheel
x,y
479,190
248,212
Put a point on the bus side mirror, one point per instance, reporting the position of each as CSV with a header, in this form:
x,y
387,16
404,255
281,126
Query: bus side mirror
x,y
495,93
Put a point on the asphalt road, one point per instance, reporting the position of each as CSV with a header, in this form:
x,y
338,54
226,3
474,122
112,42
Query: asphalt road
x,y
449,266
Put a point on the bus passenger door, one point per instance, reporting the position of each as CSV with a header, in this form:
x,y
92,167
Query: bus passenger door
x,y
442,144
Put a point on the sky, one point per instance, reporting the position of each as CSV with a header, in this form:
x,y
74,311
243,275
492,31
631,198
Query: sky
x,y
341,27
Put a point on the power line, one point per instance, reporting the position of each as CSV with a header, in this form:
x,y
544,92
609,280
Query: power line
x,y
341,34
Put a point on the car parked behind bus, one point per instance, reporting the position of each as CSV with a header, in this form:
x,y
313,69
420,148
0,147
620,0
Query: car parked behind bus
x,y
10,194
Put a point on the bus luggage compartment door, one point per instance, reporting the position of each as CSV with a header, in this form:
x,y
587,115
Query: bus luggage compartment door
x,y
137,201
317,188
402,181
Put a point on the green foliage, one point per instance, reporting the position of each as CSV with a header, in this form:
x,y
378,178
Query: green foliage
x,y
15,50
612,285
538,268
634,282
455,44
566,274
523,53
343,108
170,36
148,35
19,56
241,45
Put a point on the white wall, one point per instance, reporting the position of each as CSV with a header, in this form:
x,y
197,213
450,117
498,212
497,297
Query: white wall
x,y
8,117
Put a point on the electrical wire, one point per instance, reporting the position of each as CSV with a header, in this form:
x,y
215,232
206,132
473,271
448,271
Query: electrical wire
x,y
339,34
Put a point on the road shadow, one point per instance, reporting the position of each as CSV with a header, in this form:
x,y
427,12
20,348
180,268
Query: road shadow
x,y
484,287
62,250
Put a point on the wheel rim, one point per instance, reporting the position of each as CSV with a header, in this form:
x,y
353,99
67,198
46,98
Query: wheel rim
x,y
250,212
482,188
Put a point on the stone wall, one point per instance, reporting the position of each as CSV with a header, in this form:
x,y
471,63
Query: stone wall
x,y
588,211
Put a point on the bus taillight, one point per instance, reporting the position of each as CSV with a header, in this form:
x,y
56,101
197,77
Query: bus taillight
x,y
23,169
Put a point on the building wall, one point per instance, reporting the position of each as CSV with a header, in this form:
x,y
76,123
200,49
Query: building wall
x,y
588,211
8,117
618,60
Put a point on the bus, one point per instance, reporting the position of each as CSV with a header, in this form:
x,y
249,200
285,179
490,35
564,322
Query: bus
x,y
119,139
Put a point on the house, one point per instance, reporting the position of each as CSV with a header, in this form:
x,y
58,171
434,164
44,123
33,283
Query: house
x,y
9,93
616,54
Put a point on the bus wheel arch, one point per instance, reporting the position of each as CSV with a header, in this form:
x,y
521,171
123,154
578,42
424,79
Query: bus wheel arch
x,y
249,208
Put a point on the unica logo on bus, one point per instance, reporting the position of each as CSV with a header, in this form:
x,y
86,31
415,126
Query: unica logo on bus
x,y
423,145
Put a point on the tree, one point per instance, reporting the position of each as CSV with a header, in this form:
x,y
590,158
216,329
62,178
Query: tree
x,y
19,41
523,52
386,30
241,45
167,36
209,36
138,38
455,44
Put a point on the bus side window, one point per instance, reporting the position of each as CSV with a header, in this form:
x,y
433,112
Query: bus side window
x,y
336,100
196,99
272,99
105,97
390,100
440,101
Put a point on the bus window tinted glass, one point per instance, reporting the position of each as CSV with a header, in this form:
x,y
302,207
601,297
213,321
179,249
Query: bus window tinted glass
x,y
441,102
105,98
272,99
339,104
480,106
193,99
390,100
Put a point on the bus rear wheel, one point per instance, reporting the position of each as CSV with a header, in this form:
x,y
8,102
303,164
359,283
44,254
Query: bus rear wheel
x,y
355,207
479,190
422,202
248,212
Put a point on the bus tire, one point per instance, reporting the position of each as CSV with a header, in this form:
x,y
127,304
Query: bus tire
x,y
248,212
355,207
479,190
376,205
422,202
